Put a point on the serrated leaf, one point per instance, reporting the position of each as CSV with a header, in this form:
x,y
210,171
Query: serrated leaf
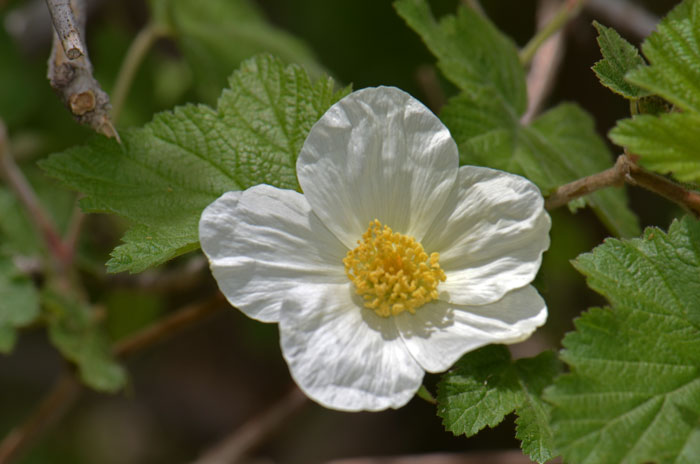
x,y
471,51
673,52
217,35
164,174
75,333
558,147
669,143
19,303
633,394
619,57
486,385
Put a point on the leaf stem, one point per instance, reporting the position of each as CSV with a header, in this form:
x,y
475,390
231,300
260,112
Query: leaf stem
x,y
424,394
626,170
566,12
61,255
138,49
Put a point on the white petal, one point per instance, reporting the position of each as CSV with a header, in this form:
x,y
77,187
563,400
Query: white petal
x,y
264,241
440,333
344,356
377,154
490,236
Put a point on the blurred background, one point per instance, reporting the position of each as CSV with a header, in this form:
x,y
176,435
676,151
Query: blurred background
x,y
190,392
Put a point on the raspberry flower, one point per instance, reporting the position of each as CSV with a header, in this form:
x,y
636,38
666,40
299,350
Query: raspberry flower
x,y
394,261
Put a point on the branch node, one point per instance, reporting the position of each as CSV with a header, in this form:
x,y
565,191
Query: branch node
x,y
70,70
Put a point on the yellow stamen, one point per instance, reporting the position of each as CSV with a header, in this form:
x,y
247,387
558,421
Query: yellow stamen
x,y
392,272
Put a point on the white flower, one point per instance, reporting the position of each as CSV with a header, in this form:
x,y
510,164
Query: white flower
x,y
364,310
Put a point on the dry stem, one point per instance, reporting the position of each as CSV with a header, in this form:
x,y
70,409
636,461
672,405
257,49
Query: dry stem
x,y
70,70
67,28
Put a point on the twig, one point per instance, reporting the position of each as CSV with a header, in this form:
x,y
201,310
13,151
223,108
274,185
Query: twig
x,y
545,64
56,403
72,78
37,215
624,14
67,28
251,434
165,328
142,43
566,12
626,170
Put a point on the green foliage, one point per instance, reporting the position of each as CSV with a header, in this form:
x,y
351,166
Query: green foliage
x,y
672,51
74,331
633,394
217,35
669,142
19,303
559,147
471,52
619,57
486,385
165,173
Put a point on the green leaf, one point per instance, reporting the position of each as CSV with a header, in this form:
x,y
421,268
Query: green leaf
x,y
673,52
19,303
669,142
633,394
164,174
75,333
558,147
486,385
619,57
471,51
217,35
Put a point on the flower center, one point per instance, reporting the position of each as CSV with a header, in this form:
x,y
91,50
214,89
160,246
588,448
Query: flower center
x,y
392,271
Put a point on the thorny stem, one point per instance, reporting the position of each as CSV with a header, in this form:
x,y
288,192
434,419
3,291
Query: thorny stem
x,y
566,12
138,49
26,195
66,389
626,170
